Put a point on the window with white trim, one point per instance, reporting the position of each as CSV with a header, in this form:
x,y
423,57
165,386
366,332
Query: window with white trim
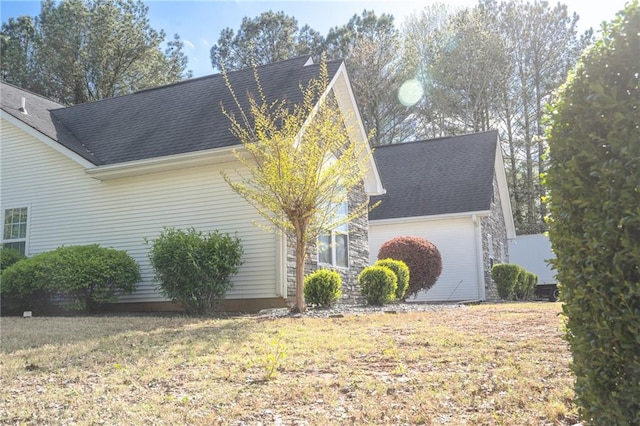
x,y
14,234
333,245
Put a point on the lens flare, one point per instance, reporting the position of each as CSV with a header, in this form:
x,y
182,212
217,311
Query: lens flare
x,y
410,92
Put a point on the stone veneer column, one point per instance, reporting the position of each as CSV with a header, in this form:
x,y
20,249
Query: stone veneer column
x,y
495,226
358,254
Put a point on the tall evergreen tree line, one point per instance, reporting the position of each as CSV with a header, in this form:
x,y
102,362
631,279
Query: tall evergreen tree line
x,y
494,65
77,51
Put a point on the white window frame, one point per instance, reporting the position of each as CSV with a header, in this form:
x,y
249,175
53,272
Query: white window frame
x,y
24,239
342,230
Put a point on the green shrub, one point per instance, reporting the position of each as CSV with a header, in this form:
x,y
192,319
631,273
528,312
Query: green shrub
x,y
377,284
195,269
26,287
401,270
533,282
421,256
322,287
519,290
92,276
72,277
506,278
8,257
526,285
593,180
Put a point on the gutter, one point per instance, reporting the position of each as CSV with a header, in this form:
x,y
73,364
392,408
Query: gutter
x,y
161,164
472,215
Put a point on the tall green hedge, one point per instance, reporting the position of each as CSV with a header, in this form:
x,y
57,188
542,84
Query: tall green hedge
x,y
594,186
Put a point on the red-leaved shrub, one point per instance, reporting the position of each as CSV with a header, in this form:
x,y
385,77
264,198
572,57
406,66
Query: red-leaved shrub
x,y
421,256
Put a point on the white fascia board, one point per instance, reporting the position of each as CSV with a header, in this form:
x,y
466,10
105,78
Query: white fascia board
x,y
503,190
416,219
347,103
53,144
161,164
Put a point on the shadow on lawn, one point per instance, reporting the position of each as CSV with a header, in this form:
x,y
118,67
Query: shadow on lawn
x,y
115,332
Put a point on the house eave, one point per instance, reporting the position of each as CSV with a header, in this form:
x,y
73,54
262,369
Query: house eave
x,y
347,101
444,216
51,143
503,189
162,164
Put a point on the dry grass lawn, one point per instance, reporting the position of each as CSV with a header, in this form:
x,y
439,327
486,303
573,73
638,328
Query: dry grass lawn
x,y
503,364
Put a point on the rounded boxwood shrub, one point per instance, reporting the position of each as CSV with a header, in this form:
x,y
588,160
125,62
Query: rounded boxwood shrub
x,y
195,269
402,274
593,180
421,256
377,284
93,276
8,257
323,287
506,277
70,277
26,287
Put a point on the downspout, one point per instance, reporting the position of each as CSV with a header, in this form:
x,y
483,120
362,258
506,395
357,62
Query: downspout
x,y
477,231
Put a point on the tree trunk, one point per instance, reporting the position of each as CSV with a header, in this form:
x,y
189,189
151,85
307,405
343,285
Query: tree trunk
x,y
300,255
541,166
513,173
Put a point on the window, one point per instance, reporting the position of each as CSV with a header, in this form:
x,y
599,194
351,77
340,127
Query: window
x,y
333,246
15,229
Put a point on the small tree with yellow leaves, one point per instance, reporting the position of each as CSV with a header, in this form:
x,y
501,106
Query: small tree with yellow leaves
x,y
300,164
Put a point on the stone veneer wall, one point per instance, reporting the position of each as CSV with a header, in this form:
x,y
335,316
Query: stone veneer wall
x,y
495,226
358,254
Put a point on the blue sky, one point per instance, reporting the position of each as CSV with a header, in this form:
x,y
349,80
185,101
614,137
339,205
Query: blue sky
x,y
199,22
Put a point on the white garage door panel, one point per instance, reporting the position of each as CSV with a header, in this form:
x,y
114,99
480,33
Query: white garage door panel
x,y
456,242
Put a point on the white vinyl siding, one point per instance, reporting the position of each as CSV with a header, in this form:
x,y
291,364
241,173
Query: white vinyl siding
x,y
67,207
455,240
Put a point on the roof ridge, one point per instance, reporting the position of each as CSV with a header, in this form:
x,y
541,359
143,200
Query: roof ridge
x,y
435,139
220,74
41,116
180,119
245,69
189,80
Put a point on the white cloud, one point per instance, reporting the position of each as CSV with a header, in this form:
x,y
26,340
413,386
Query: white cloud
x,y
188,43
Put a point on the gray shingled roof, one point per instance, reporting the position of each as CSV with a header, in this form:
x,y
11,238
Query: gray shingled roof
x,y
178,118
437,176
40,117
